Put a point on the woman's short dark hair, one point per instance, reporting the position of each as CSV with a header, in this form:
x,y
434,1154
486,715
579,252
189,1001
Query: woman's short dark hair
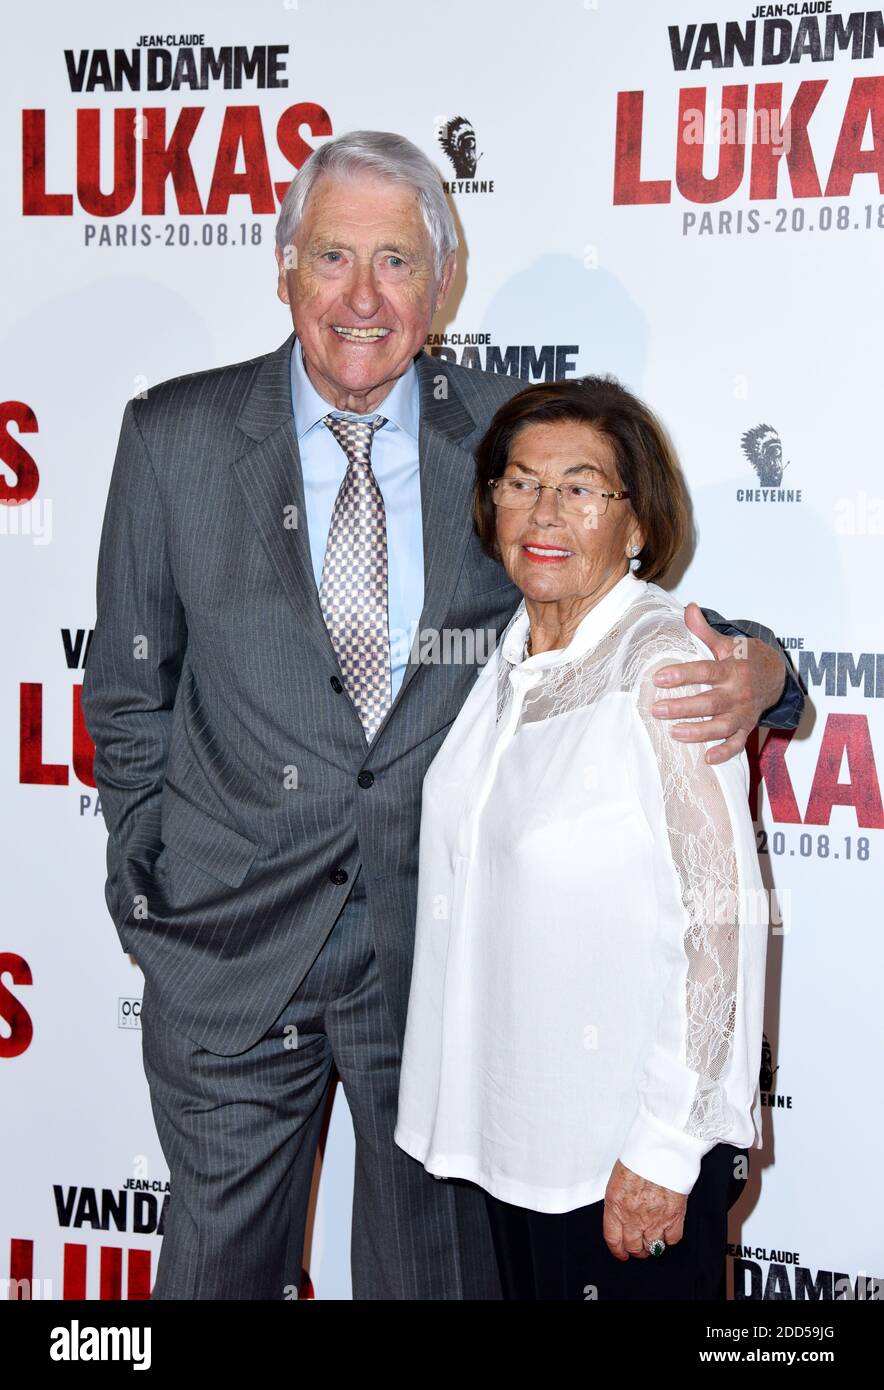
x,y
646,460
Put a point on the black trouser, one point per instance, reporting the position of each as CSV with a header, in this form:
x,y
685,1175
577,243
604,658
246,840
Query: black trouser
x,y
544,1255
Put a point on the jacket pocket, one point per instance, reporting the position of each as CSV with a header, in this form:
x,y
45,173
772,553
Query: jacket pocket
x,y
209,844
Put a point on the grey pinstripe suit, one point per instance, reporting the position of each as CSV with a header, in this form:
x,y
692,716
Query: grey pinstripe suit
x,y
223,882
228,760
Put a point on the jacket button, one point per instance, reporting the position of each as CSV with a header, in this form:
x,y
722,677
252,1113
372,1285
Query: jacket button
x,y
339,875
365,778
336,685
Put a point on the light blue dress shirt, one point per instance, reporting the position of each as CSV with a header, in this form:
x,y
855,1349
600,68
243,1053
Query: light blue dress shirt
x,y
395,464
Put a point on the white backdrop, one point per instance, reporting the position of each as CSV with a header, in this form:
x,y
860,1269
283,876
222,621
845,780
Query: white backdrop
x,y
733,302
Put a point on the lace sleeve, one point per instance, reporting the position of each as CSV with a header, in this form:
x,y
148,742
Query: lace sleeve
x,y
684,1105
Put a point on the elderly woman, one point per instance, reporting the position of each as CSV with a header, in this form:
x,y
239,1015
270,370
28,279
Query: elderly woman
x,y
584,1026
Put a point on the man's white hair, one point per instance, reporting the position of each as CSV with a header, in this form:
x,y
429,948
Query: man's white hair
x,y
384,155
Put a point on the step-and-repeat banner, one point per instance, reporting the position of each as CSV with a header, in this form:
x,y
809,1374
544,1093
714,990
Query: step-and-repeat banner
x,y
689,195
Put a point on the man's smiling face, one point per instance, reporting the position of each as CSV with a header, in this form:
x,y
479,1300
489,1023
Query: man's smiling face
x,y
363,291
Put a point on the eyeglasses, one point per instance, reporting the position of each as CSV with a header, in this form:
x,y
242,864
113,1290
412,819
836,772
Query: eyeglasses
x,y
576,499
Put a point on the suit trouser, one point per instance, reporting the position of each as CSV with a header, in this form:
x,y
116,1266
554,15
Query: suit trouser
x,y
240,1135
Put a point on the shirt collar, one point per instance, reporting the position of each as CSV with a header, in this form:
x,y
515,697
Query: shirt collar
x,y
589,630
401,407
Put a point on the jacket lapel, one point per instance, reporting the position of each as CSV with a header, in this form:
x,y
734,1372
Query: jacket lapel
x,y
268,471
446,474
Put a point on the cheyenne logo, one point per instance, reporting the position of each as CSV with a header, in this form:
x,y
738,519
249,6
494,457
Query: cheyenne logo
x,y
771,1099
458,141
764,450
768,1070
76,1343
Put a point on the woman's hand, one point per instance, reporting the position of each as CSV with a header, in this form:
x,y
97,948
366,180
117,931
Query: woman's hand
x,y
638,1211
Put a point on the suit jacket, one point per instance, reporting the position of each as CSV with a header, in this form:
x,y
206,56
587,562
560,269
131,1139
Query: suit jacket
x,y
237,785
233,772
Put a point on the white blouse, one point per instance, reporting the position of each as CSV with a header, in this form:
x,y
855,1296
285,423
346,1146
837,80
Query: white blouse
x,y
592,926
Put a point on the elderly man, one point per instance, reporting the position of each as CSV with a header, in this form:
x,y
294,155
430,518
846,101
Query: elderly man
x,y
276,532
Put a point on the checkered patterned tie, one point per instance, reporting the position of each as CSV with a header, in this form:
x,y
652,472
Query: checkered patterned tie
x,y
353,588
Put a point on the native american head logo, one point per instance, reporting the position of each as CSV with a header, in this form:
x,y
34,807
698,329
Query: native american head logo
x,y
767,1070
763,449
458,140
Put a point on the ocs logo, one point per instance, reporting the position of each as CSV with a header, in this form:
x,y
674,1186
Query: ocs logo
x,y
129,1013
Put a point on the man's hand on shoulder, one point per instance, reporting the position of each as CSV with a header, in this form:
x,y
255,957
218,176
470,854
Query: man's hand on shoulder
x,y
746,678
